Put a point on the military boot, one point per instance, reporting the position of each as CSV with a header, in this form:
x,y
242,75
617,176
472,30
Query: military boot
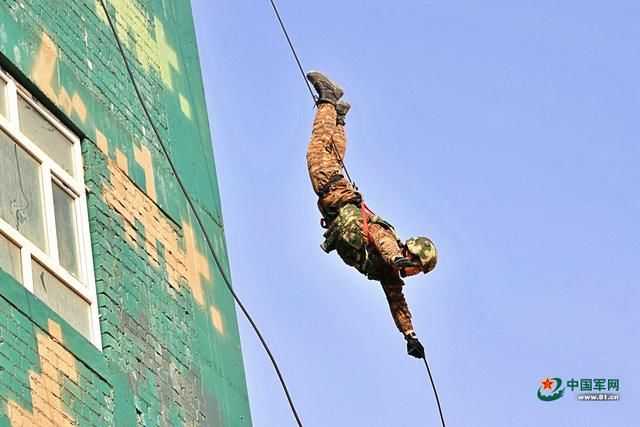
x,y
327,90
342,108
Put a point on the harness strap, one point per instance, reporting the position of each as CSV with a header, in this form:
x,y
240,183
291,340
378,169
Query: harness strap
x,y
322,191
365,221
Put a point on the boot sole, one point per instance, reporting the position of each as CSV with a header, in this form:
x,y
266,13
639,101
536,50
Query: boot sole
x,y
317,75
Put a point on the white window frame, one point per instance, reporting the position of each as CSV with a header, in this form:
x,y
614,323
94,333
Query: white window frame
x,y
51,172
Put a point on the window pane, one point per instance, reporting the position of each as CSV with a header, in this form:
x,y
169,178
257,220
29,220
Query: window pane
x,y
46,136
21,191
3,98
10,258
61,299
66,230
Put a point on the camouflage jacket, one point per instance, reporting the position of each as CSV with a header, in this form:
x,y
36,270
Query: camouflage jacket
x,y
345,235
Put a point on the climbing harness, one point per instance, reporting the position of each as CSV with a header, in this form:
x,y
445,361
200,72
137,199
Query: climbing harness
x,y
365,221
326,188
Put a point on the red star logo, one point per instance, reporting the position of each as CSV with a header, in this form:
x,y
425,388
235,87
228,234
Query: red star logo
x,y
547,383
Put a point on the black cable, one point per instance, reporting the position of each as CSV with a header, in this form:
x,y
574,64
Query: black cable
x,y
295,55
433,384
304,77
198,219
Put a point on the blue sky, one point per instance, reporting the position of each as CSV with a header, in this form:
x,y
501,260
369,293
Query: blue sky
x,y
508,132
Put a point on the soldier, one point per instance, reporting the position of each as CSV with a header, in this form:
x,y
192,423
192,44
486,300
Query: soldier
x,y
363,240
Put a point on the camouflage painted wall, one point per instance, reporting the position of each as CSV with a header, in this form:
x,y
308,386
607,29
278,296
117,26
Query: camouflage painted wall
x,y
171,352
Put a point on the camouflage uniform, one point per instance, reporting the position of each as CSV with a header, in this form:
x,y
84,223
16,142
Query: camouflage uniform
x,y
335,193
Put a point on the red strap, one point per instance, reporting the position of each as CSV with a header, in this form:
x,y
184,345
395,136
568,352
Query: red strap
x,y
365,221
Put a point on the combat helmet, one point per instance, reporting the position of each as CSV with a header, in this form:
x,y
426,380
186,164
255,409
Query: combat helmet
x,y
425,250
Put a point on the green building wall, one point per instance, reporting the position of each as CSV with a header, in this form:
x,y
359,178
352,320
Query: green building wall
x,y
170,347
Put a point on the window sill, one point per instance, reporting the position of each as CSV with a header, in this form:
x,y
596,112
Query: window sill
x,y
40,314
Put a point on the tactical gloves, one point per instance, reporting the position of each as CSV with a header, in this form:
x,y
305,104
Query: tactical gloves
x,y
414,348
402,262
406,267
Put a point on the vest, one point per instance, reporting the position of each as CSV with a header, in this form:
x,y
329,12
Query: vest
x,y
345,235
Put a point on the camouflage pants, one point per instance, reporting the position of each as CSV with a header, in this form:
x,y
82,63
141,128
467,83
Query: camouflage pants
x,y
328,143
323,164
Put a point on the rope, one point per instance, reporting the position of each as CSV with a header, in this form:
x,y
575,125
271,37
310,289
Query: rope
x,y
433,384
304,77
295,55
364,207
198,219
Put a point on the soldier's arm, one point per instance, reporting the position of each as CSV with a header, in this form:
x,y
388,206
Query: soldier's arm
x,y
385,242
392,286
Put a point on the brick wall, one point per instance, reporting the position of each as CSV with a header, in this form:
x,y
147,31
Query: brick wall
x,y
171,353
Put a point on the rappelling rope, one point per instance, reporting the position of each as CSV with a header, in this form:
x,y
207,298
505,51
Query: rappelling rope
x,y
293,50
197,216
435,392
304,77
365,209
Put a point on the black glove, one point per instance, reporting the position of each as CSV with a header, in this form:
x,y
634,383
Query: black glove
x,y
414,348
402,262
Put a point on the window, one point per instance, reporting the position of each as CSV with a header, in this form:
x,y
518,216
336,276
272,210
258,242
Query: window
x,y
44,228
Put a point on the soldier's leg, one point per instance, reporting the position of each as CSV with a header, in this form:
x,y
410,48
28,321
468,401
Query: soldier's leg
x,y
321,160
340,140
326,165
340,136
